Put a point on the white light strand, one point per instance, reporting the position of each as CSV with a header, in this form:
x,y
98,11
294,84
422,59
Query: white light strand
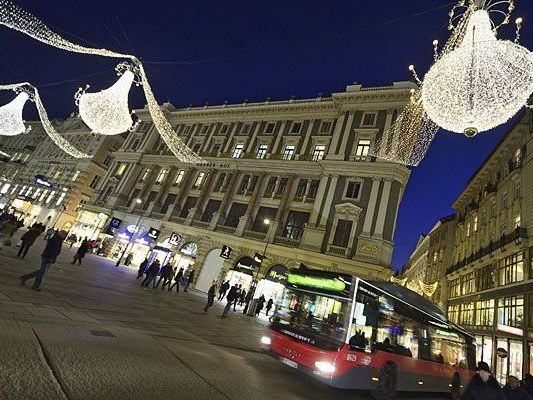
x,y
16,18
11,121
32,92
428,289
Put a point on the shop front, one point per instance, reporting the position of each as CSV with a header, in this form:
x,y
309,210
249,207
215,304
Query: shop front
x,y
89,225
242,273
273,285
137,241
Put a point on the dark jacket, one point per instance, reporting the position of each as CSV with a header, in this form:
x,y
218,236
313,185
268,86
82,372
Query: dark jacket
x,y
30,236
515,394
84,248
232,294
191,276
478,390
212,290
166,271
179,275
153,269
52,248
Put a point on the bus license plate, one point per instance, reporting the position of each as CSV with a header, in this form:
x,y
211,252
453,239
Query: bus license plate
x,y
288,362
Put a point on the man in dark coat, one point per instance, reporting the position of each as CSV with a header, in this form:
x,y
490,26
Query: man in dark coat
x,y
230,298
527,384
48,257
211,294
83,249
260,304
513,391
165,276
142,267
27,241
190,280
270,303
177,280
223,289
483,385
151,273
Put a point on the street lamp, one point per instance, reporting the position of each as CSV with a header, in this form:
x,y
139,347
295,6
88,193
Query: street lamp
x,y
137,201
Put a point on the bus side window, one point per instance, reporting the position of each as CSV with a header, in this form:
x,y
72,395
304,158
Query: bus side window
x,y
447,347
424,352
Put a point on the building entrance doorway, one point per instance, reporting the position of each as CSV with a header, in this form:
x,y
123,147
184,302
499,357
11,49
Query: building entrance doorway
x,y
210,270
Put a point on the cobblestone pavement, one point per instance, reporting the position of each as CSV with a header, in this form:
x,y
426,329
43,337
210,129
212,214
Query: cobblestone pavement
x,y
92,332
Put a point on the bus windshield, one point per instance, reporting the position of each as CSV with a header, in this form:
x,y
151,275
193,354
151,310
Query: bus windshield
x,y
317,319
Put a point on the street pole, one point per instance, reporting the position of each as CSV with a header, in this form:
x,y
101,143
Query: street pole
x,y
130,239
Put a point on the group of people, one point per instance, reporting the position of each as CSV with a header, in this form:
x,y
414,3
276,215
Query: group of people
x,y
169,275
484,386
236,294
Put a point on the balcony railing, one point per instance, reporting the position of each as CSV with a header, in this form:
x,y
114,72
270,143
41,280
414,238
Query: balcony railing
x,y
255,235
516,236
226,229
285,241
337,250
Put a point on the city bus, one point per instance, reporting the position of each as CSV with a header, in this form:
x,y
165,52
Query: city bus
x,y
368,335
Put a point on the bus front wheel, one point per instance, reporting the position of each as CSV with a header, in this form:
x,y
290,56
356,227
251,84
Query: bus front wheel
x,y
386,389
455,392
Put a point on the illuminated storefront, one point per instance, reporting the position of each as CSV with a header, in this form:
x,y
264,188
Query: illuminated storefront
x,y
89,225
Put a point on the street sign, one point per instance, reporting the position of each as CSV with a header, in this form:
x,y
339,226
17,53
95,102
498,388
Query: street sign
x,y
226,252
153,233
175,238
502,353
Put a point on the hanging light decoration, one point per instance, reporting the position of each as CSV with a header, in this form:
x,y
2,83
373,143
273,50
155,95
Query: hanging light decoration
x,y
11,122
11,117
107,112
18,19
482,83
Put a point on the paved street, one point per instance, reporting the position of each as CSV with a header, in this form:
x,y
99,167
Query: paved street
x,y
94,333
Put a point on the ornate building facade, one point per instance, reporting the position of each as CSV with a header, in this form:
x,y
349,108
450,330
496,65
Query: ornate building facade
x,y
291,180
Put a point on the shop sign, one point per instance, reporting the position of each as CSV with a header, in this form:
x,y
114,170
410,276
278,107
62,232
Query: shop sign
x,y
246,265
41,180
113,226
277,273
329,284
174,239
25,198
226,252
501,352
153,233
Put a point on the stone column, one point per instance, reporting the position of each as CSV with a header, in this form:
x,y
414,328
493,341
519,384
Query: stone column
x,y
278,138
281,214
344,135
313,218
243,221
220,215
149,181
329,200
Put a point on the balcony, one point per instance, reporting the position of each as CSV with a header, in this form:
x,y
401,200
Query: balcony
x,y
226,229
285,241
255,235
516,237
337,250
200,224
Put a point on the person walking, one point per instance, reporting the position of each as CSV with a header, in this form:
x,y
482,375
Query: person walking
x,y
82,250
237,297
513,391
151,274
177,280
242,297
223,289
48,257
527,384
483,385
128,259
260,304
142,267
165,276
211,294
7,228
270,303
27,241
189,280
230,298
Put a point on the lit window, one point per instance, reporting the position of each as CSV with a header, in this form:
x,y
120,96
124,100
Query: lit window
x,y
162,175
199,180
505,199
353,188
237,151
179,177
75,176
468,230
369,119
318,153
517,221
475,223
43,195
363,147
145,175
61,198
288,153
518,190
49,199
262,151
57,174
120,170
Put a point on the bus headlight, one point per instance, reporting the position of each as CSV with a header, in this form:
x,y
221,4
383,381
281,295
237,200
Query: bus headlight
x,y
325,367
266,341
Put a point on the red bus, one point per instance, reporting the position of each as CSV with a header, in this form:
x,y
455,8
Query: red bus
x,y
368,335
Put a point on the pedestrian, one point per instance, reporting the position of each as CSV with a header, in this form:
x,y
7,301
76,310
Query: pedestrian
x,y
49,233
242,297
27,241
223,289
513,391
270,303
527,384
247,300
128,259
82,250
237,297
6,231
48,257
230,298
189,280
165,276
142,267
483,385
72,239
260,304
177,280
211,294
151,273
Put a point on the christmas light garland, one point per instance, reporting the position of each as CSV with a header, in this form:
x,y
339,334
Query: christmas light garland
x,y
11,122
18,19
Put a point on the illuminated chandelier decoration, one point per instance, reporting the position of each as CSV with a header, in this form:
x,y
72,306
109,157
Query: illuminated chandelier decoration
x,y
28,92
477,82
484,82
107,112
18,19
11,122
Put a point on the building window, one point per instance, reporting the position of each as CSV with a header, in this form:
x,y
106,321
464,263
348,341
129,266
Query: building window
x,y
199,181
453,313
75,176
511,311
224,129
369,119
485,313
179,178
244,184
475,223
61,198
271,186
120,170
363,147
493,209
313,189
325,127
94,182
353,189
288,152
145,175
301,189
511,269
455,288
517,221
296,127
216,148
162,175
505,199
246,128
342,233
262,151
58,172
204,129
107,161
469,283
485,278
295,224
318,153
518,190
282,186
467,314
237,151
468,230
269,128
220,182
